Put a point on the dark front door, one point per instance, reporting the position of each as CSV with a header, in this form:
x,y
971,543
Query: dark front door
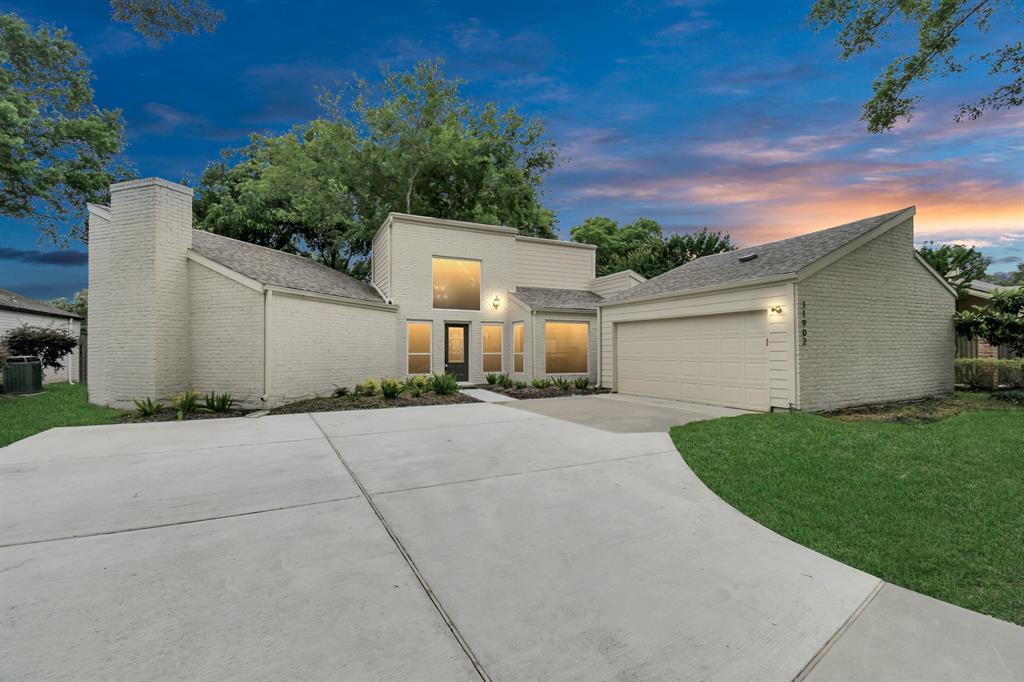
x,y
456,350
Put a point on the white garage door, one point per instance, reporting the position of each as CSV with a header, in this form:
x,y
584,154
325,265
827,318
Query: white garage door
x,y
714,359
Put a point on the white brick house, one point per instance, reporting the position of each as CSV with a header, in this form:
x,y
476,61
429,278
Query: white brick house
x,y
17,310
175,308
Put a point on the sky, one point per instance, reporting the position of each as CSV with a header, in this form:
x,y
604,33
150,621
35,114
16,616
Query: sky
x,y
695,113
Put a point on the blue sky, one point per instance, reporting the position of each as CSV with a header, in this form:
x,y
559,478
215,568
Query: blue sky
x,y
695,113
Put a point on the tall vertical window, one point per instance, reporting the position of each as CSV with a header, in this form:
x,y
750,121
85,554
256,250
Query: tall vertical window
x,y
456,283
492,347
418,347
566,347
517,347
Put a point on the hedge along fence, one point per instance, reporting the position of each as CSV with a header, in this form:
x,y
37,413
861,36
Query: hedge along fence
x,y
979,372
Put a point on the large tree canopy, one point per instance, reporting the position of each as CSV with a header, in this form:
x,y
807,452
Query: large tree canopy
x,y
412,144
641,247
159,20
959,265
56,147
940,26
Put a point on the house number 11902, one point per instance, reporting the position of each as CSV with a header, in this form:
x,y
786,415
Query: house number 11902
x,y
803,323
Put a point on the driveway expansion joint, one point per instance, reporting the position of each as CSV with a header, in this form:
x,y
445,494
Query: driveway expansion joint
x,y
178,523
823,651
408,560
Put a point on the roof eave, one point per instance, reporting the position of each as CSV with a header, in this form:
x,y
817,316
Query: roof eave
x,y
685,293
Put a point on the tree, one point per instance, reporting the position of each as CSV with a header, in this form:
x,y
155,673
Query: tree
x,y
413,145
1000,323
57,148
79,304
959,265
160,20
50,345
640,246
940,26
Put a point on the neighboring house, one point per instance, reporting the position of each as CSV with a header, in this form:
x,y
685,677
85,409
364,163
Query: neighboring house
x,y
844,316
978,296
17,310
173,308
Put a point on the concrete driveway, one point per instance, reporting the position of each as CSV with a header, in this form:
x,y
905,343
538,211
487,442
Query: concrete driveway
x,y
456,542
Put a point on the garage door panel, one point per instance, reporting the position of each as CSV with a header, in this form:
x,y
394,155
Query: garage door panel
x,y
717,359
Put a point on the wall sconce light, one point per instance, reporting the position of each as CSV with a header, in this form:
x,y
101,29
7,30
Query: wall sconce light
x,y
496,302
776,309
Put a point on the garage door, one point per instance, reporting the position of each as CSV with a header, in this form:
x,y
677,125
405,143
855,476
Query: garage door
x,y
714,359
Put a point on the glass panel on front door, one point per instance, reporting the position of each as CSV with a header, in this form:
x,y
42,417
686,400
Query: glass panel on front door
x,y
456,345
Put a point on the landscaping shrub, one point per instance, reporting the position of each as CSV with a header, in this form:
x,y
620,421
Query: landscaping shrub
x,y
541,382
977,372
1015,396
147,407
419,381
391,388
185,404
505,381
521,384
49,345
562,383
367,388
444,384
582,383
340,391
217,402
492,378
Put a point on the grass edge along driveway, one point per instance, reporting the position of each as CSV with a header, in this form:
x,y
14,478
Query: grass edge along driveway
x,y
934,507
58,405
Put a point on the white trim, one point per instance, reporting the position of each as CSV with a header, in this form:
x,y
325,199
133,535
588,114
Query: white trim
x,y
267,295
377,289
430,348
774,279
224,270
629,272
98,211
331,298
500,354
150,182
448,224
942,280
556,242
565,374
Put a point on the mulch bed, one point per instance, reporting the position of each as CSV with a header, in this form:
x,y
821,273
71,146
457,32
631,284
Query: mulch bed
x,y
332,404
920,411
170,415
530,393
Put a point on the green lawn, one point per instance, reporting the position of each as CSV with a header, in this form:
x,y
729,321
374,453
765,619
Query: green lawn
x,y
58,405
933,507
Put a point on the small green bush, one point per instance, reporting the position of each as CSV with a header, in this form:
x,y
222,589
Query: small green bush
x,y
582,383
185,404
444,384
1015,396
541,382
340,392
562,383
419,381
391,388
217,402
147,407
492,378
367,388
505,381
521,384
977,373
48,344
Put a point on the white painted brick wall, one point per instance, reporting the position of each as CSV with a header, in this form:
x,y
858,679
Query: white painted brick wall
x,y
879,328
226,336
138,293
10,319
317,345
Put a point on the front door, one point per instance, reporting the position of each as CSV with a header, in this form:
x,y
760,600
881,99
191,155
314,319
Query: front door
x,y
456,350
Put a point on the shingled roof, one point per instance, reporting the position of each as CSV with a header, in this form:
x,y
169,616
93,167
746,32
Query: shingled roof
x,y
788,256
14,301
537,298
277,268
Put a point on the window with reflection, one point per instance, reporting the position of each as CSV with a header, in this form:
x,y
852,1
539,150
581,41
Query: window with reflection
x,y
517,347
492,347
419,347
566,347
456,284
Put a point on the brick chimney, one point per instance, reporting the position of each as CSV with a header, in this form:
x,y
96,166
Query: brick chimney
x,y
138,292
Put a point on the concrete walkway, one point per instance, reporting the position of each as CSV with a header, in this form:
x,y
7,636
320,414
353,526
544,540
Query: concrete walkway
x,y
625,414
454,542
